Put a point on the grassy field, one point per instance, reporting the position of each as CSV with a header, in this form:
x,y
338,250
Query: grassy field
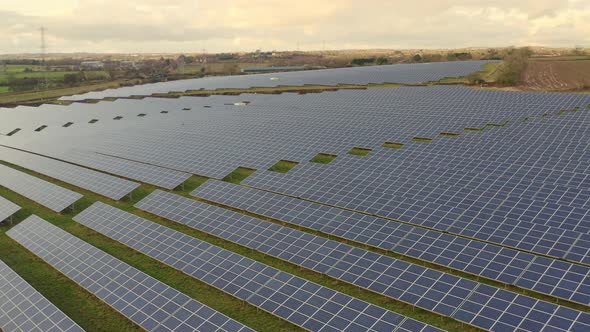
x,y
557,75
487,73
53,94
219,67
18,71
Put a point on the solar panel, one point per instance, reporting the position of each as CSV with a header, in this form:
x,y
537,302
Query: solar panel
x,y
423,287
100,183
22,308
487,260
146,301
398,73
45,193
294,299
7,208
158,176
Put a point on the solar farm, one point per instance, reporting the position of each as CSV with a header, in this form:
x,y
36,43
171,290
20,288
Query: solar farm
x,y
419,207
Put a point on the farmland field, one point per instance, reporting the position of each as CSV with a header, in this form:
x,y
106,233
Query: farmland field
x,y
557,75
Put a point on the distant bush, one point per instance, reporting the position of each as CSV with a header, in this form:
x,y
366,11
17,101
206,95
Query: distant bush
x,y
513,67
417,58
24,84
226,56
381,61
362,61
459,56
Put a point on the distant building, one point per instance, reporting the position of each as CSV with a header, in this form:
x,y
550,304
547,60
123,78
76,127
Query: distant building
x,y
92,65
128,64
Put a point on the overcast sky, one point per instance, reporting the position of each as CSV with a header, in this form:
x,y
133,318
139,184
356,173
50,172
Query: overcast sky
x,y
129,26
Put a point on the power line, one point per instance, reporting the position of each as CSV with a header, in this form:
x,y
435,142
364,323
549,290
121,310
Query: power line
x,y
43,64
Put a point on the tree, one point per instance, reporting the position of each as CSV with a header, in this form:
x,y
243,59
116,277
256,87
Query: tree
x,y
381,61
231,68
513,66
362,61
71,79
417,58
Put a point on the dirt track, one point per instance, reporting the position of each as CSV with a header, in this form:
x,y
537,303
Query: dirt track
x,y
557,75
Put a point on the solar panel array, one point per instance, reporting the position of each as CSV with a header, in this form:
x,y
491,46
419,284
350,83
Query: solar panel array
x,y
423,287
545,275
22,308
45,193
434,186
146,301
100,183
401,73
7,208
300,302
213,139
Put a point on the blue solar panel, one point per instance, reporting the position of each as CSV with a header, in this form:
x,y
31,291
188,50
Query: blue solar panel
x,y
494,262
146,301
22,308
397,279
45,193
100,183
7,208
300,302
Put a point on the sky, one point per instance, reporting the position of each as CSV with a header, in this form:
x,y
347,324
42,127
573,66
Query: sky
x,y
154,26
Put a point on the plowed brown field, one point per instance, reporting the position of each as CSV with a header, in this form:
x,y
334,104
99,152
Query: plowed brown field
x,y
557,75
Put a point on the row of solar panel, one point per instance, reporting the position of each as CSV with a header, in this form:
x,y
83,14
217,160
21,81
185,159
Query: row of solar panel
x,y
545,275
211,146
155,306
100,183
425,288
405,73
454,198
146,301
372,104
45,193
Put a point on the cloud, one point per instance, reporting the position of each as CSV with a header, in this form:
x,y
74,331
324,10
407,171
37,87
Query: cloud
x,y
227,25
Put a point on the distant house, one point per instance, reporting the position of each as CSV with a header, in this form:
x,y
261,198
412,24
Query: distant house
x,y
128,64
91,65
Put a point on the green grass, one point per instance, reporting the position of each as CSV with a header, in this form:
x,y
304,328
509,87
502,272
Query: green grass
x,y
421,139
192,183
29,96
323,158
392,145
356,151
448,134
283,166
4,89
473,129
239,175
18,72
